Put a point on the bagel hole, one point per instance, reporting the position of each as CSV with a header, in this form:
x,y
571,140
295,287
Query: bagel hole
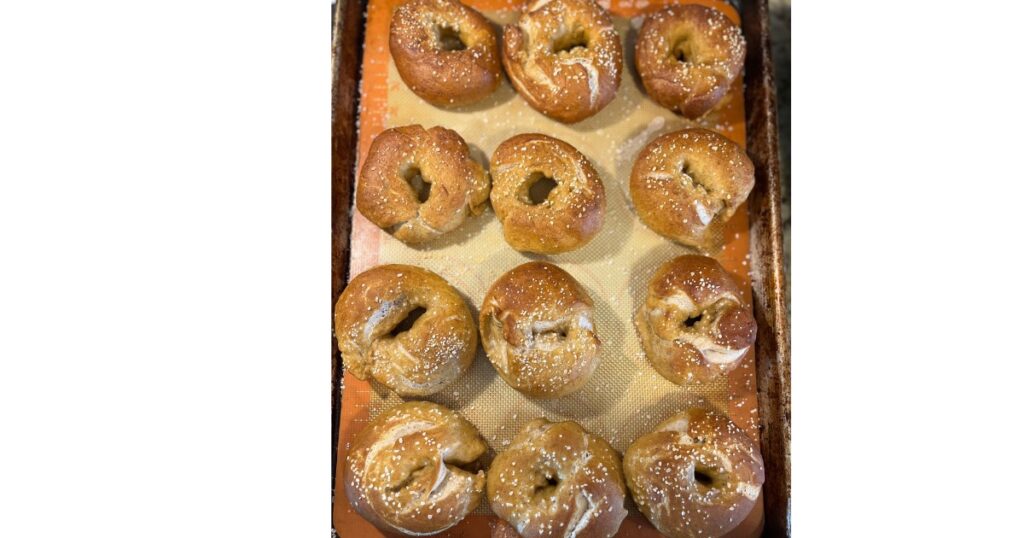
x,y
420,186
682,50
449,40
687,170
408,322
540,187
709,316
547,487
693,320
704,477
570,41
689,173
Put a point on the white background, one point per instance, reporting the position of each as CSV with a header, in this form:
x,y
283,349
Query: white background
x,y
164,269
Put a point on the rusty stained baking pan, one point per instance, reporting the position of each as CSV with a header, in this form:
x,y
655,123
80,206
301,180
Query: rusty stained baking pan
x,y
772,352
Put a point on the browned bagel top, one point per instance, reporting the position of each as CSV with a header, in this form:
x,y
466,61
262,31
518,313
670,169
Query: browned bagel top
x,y
557,479
403,471
445,51
416,360
572,212
685,182
536,324
694,323
401,156
688,56
696,475
564,57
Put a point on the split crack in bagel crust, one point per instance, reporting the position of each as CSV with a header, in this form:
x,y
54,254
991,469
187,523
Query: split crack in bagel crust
x,y
445,52
688,56
438,347
564,57
459,186
403,471
573,211
557,479
536,325
696,474
687,184
694,324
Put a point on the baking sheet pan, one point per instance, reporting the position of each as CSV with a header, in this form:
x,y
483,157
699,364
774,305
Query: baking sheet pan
x,y
624,126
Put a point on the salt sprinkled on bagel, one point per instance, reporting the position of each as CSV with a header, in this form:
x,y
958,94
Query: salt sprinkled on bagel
x,y
564,57
418,184
687,184
445,51
696,475
405,470
694,324
536,325
557,479
406,327
567,215
688,56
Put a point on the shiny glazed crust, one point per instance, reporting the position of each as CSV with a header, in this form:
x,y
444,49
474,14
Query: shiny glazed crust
x,y
564,57
712,49
696,475
422,34
557,479
459,186
573,211
403,472
422,360
688,183
536,325
694,324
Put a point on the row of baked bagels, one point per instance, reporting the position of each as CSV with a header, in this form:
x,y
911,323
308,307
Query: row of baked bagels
x,y
564,57
419,184
414,470
410,330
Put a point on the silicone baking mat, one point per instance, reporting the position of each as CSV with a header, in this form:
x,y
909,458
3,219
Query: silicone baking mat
x,y
625,398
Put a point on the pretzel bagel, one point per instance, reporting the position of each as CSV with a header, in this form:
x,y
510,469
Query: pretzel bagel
x,y
688,56
687,184
418,184
403,469
694,324
564,57
572,212
536,324
696,475
557,479
380,337
445,51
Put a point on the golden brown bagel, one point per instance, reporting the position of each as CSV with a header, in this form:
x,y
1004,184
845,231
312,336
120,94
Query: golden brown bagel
x,y
696,475
570,215
445,51
688,56
403,163
536,324
403,470
687,183
694,324
564,57
371,321
557,479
